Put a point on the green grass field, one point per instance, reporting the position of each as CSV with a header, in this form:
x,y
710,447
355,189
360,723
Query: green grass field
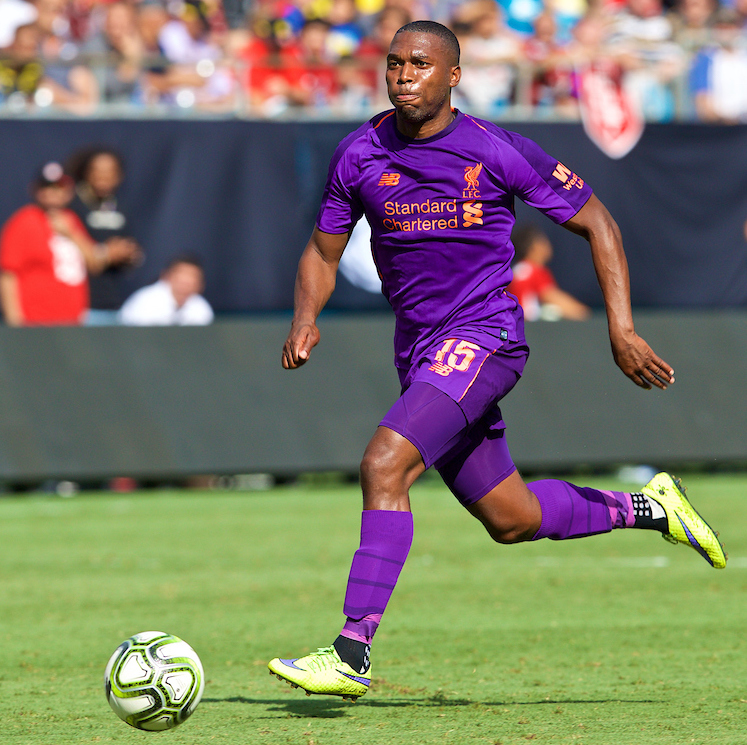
x,y
620,639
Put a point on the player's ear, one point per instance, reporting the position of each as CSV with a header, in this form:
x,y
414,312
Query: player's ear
x,y
456,76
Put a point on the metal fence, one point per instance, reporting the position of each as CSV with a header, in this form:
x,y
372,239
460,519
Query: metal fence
x,y
40,101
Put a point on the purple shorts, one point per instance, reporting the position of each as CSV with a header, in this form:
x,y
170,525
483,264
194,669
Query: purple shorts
x,y
449,411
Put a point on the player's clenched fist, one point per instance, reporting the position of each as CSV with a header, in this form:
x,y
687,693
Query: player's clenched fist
x,y
301,340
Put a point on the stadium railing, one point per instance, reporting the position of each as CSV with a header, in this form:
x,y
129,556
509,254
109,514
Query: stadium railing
x,y
39,101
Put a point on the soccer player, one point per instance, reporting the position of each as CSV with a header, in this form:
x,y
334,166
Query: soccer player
x,y
437,187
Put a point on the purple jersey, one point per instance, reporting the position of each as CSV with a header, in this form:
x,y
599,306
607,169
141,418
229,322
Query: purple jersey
x,y
441,210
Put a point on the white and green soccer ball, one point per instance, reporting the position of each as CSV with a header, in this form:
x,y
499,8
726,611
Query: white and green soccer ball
x,y
154,681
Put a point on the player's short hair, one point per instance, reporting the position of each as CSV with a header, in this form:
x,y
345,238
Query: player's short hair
x,y
436,29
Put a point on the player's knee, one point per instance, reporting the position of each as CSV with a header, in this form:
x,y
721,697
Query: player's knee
x,y
379,469
385,480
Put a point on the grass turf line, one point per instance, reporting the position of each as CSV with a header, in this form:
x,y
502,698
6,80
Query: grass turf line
x,y
618,639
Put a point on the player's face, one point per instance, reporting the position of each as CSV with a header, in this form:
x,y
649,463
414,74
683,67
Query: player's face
x,y
420,75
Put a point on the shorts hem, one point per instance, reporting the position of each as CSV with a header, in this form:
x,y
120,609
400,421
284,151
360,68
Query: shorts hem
x,y
409,438
484,491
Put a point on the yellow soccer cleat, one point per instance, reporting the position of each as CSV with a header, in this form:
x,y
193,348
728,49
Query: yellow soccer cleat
x,y
322,672
685,524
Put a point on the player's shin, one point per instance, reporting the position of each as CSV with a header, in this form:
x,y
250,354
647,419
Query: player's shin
x,y
386,537
570,511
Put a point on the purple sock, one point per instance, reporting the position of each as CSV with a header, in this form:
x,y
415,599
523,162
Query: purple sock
x,y
570,511
386,537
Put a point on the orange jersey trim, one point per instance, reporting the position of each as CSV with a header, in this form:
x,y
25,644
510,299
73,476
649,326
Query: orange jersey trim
x,y
383,119
466,390
474,121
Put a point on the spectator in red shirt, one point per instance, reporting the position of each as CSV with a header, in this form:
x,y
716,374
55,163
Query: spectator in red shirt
x,y
45,254
552,80
308,65
534,285
374,48
287,72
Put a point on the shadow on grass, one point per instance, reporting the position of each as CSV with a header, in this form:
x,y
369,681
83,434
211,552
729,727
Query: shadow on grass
x,y
332,708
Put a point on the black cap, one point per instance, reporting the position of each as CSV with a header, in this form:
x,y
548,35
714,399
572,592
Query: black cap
x,y
52,174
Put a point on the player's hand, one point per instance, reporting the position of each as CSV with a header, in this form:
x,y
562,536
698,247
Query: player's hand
x,y
639,362
297,348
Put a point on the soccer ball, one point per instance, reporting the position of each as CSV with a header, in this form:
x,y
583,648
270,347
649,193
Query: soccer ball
x,y
154,681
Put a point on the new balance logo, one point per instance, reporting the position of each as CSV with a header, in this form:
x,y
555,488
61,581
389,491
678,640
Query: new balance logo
x,y
440,369
389,179
561,172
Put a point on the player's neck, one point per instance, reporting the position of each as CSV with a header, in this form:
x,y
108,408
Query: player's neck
x,y
427,128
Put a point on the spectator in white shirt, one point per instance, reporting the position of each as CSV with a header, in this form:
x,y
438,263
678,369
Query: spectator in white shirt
x,y
174,300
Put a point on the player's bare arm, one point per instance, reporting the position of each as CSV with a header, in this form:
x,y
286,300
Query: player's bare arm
x,y
632,354
315,282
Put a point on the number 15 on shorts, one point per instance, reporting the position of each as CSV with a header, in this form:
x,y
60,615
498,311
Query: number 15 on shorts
x,y
462,356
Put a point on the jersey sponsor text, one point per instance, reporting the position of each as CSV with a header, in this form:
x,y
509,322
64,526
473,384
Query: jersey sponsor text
x,y
418,208
408,226
428,207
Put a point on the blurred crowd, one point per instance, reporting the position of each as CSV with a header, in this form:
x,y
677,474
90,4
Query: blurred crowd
x,y
684,59
65,256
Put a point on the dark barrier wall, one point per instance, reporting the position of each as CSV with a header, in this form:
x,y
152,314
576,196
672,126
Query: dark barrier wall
x,y
163,402
245,194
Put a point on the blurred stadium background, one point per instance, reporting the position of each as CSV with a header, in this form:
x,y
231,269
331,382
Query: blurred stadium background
x,y
225,116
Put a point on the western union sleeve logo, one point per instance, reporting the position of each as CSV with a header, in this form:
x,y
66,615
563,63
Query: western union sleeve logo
x,y
561,172
567,176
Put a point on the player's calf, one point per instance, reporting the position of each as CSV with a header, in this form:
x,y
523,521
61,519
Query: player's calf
x,y
506,531
510,512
